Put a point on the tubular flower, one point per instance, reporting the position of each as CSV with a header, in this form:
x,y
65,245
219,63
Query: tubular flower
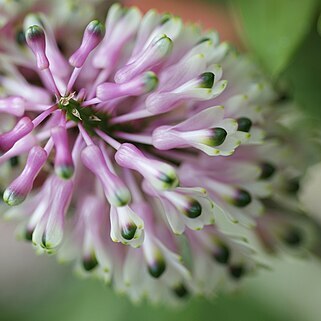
x,y
137,151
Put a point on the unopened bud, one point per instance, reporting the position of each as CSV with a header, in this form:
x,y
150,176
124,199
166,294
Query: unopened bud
x,y
36,40
93,35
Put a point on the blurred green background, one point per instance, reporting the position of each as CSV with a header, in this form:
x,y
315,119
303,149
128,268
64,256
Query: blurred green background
x,y
37,289
283,36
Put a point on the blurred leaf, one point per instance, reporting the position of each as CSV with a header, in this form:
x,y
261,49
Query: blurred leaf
x,y
79,300
303,76
275,28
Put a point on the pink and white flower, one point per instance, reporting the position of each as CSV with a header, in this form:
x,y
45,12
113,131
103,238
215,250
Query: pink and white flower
x,y
137,142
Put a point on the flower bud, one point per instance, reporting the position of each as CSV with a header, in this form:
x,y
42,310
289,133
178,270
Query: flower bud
x,y
93,35
207,131
222,253
187,205
64,166
89,262
157,267
121,25
20,147
36,40
23,127
267,170
126,226
152,56
115,190
244,124
18,190
181,291
143,84
154,257
201,88
236,271
159,174
293,236
14,105
53,232
165,138
206,80
242,198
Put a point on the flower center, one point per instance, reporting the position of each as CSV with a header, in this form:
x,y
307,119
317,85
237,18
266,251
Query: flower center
x,y
88,116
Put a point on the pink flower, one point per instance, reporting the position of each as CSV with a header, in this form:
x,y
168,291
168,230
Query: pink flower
x,y
148,130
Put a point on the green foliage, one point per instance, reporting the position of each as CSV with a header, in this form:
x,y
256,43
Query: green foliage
x,y
274,29
303,76
283,36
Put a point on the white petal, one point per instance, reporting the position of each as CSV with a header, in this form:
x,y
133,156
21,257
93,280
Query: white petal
x,y
207,118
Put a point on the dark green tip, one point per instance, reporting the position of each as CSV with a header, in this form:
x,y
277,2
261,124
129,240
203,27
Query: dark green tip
x,y
122,197
203,40
236,271
164,44
207,80
221,254
218,136
64,172
283,97
121,201
97,28
28,235
12,198
45,244
293,186
170,181
244,124
267,170
20,38
242,198
194,209
14,161
34,32
89,263
293,237
151,81
166,17
128,231
181,291
157,268
44,241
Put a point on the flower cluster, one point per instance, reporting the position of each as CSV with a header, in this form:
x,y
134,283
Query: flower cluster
x,y
139,150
